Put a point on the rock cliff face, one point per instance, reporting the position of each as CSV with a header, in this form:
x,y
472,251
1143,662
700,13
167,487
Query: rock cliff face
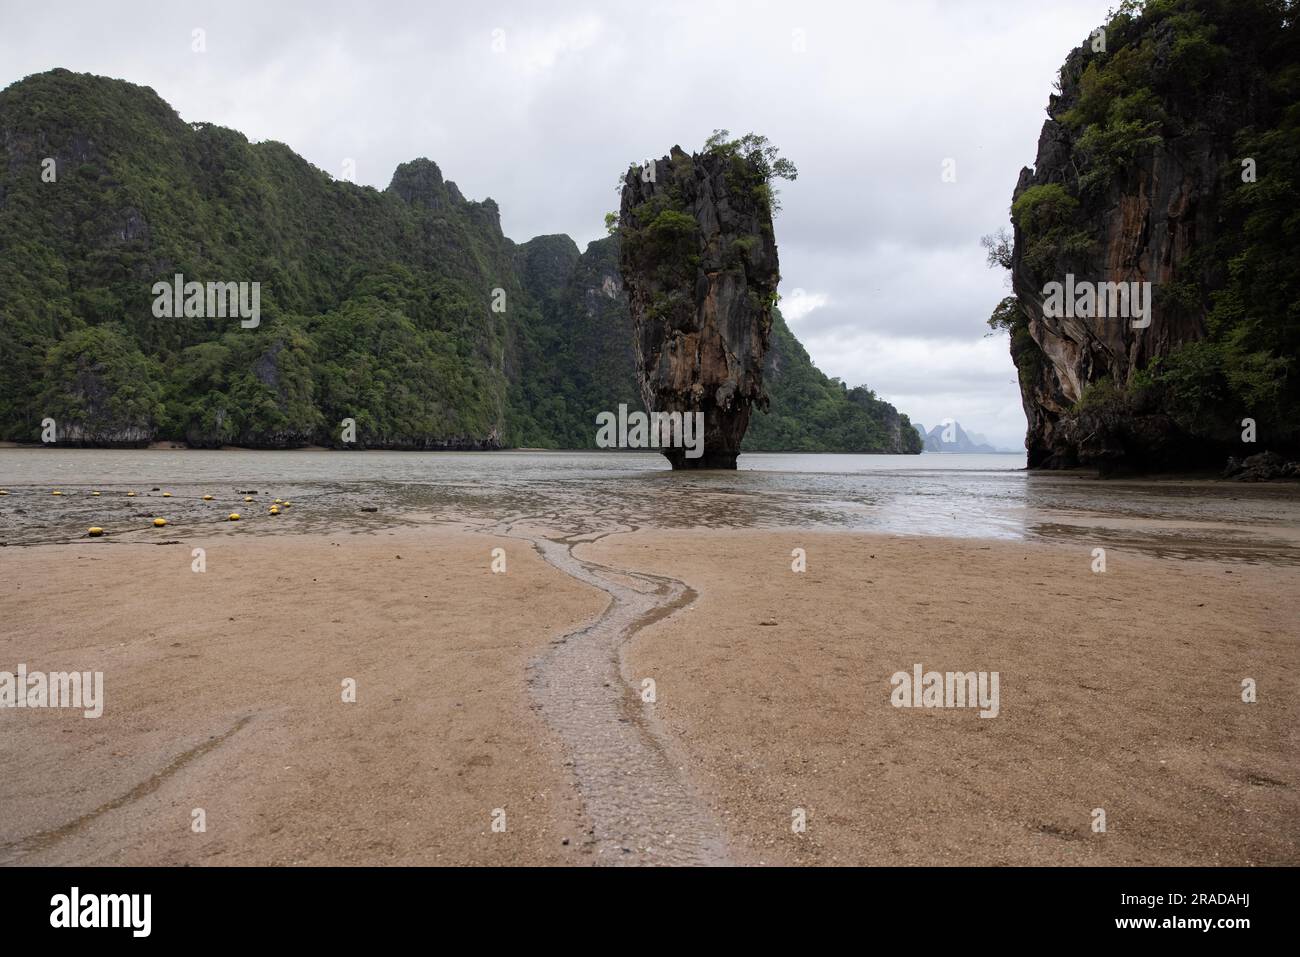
x,y
699,265
420,183
1141,230
1138,179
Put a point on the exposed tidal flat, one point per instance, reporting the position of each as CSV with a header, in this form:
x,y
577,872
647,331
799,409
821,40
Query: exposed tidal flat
x,y
522,688
928,494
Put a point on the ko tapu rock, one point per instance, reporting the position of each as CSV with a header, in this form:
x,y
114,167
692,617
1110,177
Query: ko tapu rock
x,y
699,266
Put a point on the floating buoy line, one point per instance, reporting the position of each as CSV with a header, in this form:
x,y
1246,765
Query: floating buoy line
x,y
99,531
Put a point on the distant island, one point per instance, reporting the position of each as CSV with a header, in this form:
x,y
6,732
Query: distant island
x,y
949,436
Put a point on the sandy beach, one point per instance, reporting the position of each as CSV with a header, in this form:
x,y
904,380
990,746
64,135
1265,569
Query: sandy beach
x,y
1119,691
223,692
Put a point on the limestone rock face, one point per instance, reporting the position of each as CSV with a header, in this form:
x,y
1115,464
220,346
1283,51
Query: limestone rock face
x,y
1140,178
699,265
1263,467
1142,231
102,424
420,183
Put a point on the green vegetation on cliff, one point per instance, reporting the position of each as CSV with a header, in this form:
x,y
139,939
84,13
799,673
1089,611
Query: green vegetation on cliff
x,y
375,305
810,412
1232,71
1172,153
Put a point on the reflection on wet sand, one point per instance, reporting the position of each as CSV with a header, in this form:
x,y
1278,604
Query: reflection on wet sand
x,y
590,493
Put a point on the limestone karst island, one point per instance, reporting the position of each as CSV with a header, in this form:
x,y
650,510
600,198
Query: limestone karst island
x,y
557,435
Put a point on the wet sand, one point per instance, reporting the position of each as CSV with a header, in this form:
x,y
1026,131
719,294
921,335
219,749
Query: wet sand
x,y
933,495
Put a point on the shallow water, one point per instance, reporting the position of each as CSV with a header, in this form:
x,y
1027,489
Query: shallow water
x,y
582,492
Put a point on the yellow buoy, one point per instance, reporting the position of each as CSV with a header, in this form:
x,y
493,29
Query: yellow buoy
x,y
247,498
234,516
130,494
167,494
94,493
159,522
287,504
94,531
207,498
274,510
277,501
56,492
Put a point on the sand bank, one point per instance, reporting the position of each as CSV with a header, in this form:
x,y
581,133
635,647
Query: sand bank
x,y
1119,691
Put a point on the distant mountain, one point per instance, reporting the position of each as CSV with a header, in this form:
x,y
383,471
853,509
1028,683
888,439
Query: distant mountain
x,y
951,437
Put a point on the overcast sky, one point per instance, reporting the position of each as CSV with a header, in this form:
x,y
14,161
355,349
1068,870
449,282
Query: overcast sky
x,y
542,105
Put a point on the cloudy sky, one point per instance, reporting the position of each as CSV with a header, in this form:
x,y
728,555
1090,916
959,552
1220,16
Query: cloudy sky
x,y
542,105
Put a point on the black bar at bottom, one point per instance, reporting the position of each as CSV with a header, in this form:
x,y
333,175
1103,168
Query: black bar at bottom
x,y
212,905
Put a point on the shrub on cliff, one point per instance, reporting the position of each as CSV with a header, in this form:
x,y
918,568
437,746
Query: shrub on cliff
x,y
756,165
1045,215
